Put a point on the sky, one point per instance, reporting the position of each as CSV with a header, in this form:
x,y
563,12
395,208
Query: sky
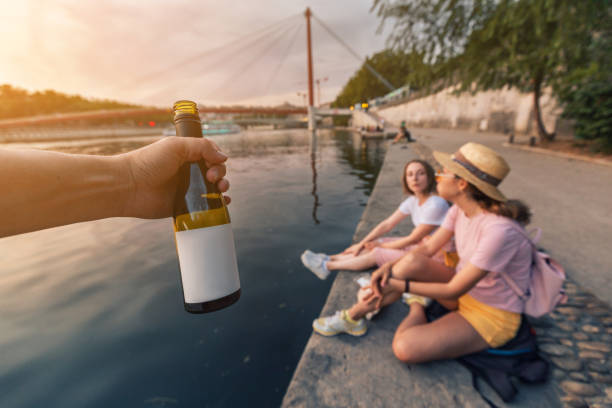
x,y
154,52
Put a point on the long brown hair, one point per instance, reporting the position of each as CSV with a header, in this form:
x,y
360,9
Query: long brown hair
x,y
513,209
429,171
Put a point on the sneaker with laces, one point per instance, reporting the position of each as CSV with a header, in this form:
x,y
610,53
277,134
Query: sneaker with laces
x,y
340,322
315,263
362,293
323,256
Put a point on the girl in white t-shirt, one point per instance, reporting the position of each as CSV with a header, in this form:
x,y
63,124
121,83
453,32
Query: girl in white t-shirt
x,y
426,209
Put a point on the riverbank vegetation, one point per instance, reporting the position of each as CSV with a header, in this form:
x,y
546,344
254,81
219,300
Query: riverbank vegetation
x,y
530,45
18,102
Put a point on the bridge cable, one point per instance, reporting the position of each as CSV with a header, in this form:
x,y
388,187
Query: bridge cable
x,y
257,33
250,63
284,57
354,54
278,30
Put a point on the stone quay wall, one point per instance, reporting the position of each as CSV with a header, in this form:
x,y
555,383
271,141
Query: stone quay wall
x,y
504,111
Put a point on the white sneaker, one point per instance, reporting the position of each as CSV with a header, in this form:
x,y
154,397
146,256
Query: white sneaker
x,y
363,280
361,293
339,323
315,263
409,298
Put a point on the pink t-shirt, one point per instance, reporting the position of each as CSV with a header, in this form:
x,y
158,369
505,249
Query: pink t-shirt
x,y
492,243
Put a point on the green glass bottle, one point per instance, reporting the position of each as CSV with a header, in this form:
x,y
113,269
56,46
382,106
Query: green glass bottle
x,y
203,233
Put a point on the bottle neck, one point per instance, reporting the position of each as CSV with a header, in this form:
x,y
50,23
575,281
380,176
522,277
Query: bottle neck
x,y
187,125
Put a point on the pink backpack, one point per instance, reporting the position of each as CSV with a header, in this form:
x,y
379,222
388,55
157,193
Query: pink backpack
x,y
545,289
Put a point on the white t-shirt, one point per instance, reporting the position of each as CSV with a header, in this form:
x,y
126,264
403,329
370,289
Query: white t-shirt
x,y
431,212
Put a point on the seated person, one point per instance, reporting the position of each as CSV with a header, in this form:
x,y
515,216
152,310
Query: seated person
x,y
485,312
426,209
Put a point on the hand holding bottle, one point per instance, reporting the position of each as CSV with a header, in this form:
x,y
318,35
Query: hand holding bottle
x,y
44,189
153,173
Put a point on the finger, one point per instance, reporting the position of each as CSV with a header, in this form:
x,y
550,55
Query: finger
x,y
216,172
223,185
194,149
372,301
377,290
384,280
215,145
227,200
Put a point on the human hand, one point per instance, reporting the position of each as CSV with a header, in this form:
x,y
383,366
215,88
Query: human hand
x,y
376,297
354,249
379,281
372,244
153,173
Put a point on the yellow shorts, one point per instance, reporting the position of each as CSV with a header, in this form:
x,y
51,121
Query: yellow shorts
x,y
494,325
451,259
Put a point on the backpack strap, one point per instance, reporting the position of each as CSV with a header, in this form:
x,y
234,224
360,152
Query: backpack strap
x,y
475,374
477,388
534,251
537,234
510,282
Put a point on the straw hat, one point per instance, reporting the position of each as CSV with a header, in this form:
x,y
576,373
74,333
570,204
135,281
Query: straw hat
x,y
479,165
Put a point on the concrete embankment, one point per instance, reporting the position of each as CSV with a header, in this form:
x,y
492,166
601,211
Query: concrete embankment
x,y
504,111
345,371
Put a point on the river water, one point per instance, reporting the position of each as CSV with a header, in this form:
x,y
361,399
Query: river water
x,y
92,313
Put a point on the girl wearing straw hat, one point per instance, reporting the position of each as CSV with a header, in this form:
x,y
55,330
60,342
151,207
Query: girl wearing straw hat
x,y
485,312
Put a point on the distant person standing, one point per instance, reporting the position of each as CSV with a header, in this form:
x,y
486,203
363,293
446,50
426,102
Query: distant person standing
x,y
403,133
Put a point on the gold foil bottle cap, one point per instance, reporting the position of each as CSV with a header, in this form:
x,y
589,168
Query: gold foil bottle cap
x,y
188,107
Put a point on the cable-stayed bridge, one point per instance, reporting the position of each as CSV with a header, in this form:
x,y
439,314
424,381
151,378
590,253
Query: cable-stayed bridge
x,y
240,56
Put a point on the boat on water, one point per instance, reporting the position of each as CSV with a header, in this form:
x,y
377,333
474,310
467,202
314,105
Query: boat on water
x,y
210,128
376,133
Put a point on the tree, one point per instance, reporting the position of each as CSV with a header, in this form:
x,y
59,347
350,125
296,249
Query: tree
x,y
16,102
586,92
363,85
398,67
485,44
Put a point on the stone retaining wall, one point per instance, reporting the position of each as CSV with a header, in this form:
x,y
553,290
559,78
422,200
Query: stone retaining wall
x,y
504,111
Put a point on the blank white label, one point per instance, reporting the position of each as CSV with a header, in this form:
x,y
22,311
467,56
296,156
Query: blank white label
x,y
208,263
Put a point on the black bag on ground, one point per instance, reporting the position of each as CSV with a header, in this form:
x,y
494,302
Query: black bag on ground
x,y
518,358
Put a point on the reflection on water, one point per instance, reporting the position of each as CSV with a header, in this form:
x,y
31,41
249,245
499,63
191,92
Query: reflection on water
x,y
313,166
93,313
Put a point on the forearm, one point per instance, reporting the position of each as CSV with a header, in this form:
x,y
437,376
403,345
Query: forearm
x,y
403,242
44,189
379,230
429,289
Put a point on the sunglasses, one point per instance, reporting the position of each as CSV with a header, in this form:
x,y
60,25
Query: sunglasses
x,y
440,175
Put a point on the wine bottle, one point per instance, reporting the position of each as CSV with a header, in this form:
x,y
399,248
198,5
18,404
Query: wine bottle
x,y
203,233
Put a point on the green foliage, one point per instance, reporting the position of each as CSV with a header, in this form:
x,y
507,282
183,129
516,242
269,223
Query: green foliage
x,y
17,102
397,67
364,85
586,94
436,29
526,44
491,44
